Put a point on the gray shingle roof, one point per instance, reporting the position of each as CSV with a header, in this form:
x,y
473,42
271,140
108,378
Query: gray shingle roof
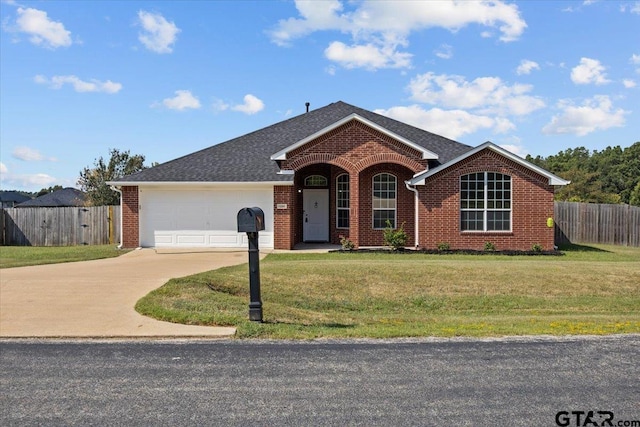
x,y
247,158
67,197
13,196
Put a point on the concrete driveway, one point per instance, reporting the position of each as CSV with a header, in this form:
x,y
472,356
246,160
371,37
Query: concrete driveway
x,y
96,298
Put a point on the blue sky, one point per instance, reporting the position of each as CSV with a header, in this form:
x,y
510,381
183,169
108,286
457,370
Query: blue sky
x,y
165,79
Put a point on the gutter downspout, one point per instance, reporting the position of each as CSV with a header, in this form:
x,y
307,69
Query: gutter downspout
x,y
121,210
415,213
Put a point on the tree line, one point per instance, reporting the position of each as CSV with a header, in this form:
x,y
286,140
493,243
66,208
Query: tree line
x,y
608,176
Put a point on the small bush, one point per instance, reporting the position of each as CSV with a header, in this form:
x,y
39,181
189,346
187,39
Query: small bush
x,y
536,248
489,247
396,239
443,247
347,244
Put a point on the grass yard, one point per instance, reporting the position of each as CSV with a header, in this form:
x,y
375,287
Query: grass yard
x,y
20,256
590,290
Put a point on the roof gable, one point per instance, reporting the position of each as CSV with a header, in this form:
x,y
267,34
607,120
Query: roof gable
x,y
419,179
426,154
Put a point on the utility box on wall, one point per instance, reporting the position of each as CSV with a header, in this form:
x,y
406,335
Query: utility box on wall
x,y
250,220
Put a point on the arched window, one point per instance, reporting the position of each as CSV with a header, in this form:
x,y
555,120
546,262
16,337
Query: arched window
x,y
315,181
384,200
485,202
342,201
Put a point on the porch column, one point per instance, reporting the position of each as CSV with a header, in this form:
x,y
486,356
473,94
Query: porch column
x,y
354,207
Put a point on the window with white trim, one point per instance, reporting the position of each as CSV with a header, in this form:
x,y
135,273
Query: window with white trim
x,y
384,200
485,202
342,201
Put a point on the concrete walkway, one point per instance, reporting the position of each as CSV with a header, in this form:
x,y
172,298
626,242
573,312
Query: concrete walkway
x,y
96,298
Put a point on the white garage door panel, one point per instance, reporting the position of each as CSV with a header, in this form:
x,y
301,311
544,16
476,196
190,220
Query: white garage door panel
x,y
200,218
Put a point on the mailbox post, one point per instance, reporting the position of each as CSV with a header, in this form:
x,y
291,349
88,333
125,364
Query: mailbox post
x,y
251,221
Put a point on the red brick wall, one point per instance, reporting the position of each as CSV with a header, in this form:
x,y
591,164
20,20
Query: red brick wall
x,y
361,152
130,217
284,219
532,204
405,210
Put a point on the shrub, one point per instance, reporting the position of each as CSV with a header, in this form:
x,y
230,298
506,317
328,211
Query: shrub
x,y
489,247
443,247
396,239
536,248
347,244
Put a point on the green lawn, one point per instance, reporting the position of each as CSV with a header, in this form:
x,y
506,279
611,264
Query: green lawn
x,y
589,290
20,256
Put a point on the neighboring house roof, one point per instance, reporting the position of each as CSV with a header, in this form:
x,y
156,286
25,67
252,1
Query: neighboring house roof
x,y
249,158
60,198
13,196
419,179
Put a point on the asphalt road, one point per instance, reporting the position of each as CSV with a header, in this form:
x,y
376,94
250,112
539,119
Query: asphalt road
x,y
513,382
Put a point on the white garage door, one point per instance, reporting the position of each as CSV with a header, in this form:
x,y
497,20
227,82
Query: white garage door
x,y
201,218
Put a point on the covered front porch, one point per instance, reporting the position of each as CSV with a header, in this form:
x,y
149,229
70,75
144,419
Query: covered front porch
x,y
327,202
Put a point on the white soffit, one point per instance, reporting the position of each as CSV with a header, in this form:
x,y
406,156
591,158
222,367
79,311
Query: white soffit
x,y
426,154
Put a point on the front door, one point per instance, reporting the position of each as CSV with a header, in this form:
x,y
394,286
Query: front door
x,y
315,216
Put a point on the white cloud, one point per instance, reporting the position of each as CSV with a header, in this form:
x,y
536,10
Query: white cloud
x,y
445,51
526,66
594,114
449,123
183,100
159,34
633,8
367,56
379,28
628,83
518,150
487,94
635,59
56,82
29,181
42,30
589,71
251,105
219,105
28,154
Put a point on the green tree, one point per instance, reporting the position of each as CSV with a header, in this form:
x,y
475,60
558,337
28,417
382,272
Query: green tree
x,y
48,190
634,199
607,176
94,180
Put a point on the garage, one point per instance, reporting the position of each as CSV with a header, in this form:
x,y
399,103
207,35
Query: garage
x,y
179,217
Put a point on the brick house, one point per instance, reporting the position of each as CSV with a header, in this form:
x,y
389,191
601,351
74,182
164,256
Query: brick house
x,y
341,171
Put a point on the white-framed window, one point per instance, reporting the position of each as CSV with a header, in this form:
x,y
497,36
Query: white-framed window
x,y
315,181
384,200
342,201
485,202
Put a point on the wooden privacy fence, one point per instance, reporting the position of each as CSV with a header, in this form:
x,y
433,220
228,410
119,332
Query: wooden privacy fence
x,y
96,225
100,225
597,223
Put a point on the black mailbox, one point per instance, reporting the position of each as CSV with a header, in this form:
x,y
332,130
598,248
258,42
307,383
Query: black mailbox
x,y
250,220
